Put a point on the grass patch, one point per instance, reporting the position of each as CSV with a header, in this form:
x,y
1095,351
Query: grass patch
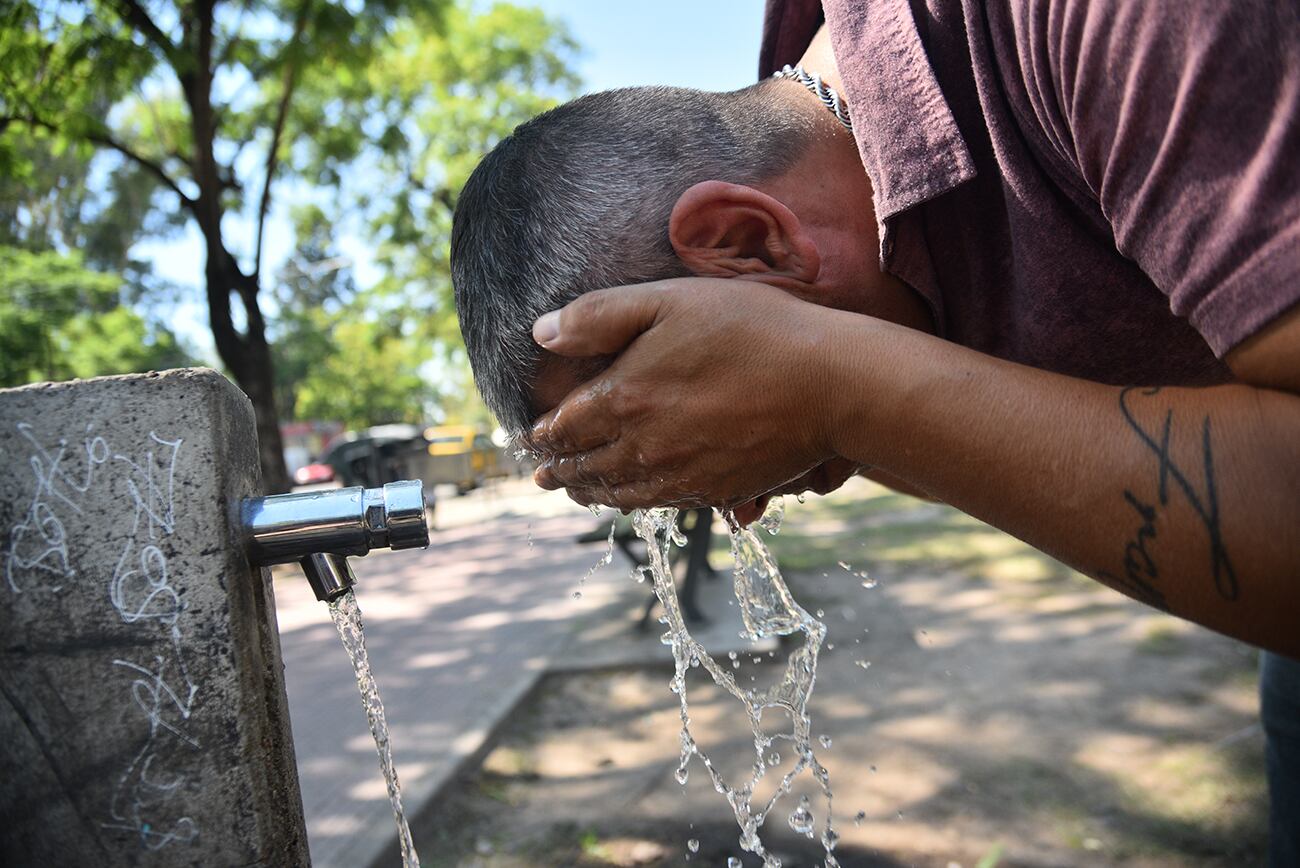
x,y
592,847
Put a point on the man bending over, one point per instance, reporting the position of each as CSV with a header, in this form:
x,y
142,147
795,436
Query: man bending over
x,y
1050,276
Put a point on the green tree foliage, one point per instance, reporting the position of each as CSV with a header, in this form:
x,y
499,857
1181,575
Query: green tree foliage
x,y
60,320
451,95
339,355
69,283
435,101
308,291
48,203
373,376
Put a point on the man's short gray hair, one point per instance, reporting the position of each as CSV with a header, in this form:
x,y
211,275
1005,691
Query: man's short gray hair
x,y
579,198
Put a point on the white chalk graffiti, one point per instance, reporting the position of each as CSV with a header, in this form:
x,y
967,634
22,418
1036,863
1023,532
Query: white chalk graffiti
x,y
140,795
140,592
38,544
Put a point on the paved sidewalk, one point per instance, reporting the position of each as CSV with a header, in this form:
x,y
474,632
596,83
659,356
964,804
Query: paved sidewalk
x,y
457,634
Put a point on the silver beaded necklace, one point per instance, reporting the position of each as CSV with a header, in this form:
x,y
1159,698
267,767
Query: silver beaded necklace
x,y
821,90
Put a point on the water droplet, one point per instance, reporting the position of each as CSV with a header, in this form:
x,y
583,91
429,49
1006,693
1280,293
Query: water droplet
x,y
801,818
595,508
735,664
821,613
829,839
693,845
774,759
683,774
857,820
801,498
865,664
577,595
825,741
732,655
733,862
772,516
830,646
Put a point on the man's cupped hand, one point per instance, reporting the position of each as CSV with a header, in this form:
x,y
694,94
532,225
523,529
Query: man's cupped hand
x,y
716,397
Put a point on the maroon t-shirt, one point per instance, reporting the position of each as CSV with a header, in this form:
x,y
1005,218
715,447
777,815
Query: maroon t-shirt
x,y
1107,189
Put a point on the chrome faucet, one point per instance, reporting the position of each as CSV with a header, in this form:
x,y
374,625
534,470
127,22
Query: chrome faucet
x,y
320,529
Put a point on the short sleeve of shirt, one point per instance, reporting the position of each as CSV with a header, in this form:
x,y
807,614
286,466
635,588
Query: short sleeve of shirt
x,y
1183,120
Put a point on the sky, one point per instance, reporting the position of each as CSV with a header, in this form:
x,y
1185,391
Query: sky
x,y
708,44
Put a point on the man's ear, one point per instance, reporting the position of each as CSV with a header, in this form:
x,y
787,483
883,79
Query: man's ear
x,y
729,230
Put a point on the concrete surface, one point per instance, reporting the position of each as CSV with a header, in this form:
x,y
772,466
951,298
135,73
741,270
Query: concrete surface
x,y
458,635
143,715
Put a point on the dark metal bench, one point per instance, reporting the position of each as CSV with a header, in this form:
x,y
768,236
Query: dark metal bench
x,y
697,526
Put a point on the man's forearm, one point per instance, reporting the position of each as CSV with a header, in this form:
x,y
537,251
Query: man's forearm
x,y
1184,498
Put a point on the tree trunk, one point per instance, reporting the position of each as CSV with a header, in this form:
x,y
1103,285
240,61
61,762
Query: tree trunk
x,y
260,388
247,356
248,359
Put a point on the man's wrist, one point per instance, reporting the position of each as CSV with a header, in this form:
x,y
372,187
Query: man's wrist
x,y
863,390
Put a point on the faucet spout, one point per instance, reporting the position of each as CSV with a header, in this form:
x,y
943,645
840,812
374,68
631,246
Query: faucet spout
x,y
329,575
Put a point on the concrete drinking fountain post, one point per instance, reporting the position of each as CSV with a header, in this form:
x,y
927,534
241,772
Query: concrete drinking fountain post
x,y
142,703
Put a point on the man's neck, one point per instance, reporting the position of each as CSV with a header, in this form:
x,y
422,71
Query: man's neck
x,y
819,58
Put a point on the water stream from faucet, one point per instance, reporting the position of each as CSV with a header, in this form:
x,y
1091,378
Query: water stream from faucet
x,y
347,618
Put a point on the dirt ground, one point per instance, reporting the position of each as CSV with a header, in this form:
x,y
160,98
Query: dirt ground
x,y
1013,713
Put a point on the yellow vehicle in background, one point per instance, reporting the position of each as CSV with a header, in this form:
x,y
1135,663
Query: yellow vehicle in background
x,y
463,456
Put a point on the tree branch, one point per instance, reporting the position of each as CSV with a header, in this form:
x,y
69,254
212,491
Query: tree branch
x,y
196,84
106,140
135,14
277,132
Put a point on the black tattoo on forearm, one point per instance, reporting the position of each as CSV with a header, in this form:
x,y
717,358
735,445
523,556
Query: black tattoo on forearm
x,y
1140,569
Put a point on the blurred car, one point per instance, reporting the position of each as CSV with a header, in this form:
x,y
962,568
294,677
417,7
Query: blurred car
x,y
313,473
376,455
464,456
